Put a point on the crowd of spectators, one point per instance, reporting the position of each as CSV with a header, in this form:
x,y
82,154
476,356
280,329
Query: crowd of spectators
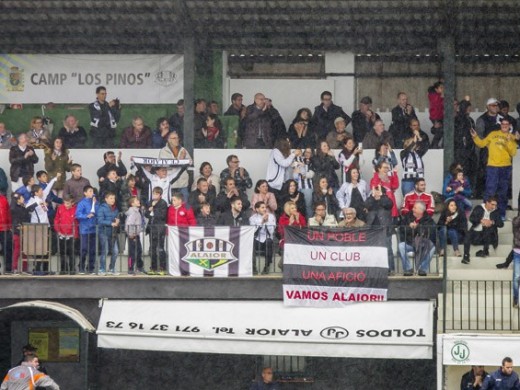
x,y
301,186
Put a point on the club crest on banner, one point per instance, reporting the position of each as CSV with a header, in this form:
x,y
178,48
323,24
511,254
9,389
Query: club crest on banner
x,y
165,78
209,253
16,79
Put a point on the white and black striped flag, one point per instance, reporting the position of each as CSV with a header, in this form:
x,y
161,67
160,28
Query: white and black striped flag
x,y
333,267
211,251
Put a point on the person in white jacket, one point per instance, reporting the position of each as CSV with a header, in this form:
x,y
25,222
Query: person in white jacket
x,y
264,223
37,205
280,159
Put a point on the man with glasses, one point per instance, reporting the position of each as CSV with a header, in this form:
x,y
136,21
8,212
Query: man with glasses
x,y
325,114
266,383
485,221
234,170
501,146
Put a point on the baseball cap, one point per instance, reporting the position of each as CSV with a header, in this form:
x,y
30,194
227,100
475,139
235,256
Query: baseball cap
x,y
339,119
491,101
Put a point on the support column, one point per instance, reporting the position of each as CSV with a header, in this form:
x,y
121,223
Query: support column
x,y
446,49
189,91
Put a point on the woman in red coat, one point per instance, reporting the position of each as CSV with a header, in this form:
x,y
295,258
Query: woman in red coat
x,y
290,217
389,182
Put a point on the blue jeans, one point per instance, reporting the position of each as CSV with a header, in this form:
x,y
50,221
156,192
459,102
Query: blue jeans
x,y
516,275
453,235
407,186
497,183
87,246
404,248
106,240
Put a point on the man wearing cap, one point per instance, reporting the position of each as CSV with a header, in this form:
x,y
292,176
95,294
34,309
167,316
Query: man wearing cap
x,y
486,123
336,137
501,146
363,120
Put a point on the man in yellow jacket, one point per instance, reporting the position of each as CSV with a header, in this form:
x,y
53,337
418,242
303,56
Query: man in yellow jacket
x,y
501,148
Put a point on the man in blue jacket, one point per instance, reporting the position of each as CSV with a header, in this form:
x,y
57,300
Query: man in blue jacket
x,y
502,379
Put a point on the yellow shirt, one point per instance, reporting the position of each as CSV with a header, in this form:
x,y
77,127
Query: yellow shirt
x,y
501,149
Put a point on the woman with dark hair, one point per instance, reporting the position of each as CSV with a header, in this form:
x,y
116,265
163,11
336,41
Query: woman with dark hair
x,y
453,224
325,164
262,194
210,135
300,132
160,134
349,157
465,150
415,147
290,193
206,172
280,159
384,152
353,193
57,160
323,192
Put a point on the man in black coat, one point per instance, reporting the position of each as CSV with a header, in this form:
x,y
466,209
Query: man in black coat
x,y
234,216
325,114
417,229
485,221
22,158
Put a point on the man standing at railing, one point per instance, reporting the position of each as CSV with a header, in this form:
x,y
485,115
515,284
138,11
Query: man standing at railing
x,y
473,378
502,379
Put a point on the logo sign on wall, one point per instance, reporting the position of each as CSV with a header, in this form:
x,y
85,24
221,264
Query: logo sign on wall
x,y
332,267
211,251
135,79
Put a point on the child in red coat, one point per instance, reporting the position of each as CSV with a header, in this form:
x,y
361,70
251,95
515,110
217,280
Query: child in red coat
x,y
67,229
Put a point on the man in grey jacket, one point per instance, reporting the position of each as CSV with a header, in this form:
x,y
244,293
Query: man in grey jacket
x,y
27,376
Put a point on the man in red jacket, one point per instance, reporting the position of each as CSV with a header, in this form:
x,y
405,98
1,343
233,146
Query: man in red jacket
x,y
419,193
178,215
6,240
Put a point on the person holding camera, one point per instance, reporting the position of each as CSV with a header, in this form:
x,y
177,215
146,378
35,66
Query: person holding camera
x,y
103,119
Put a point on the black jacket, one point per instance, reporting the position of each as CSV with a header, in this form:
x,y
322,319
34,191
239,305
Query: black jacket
x,y
120,169
380,212
399,127
193,200
360,125
227,219
76,140
425,228
476,216
326,166
19,215
21,166
323,121
160,214
223,204
460,223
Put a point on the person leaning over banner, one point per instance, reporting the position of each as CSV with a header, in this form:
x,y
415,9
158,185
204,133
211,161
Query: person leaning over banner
x,y
103,119
27,376
417,228
502,379
379,213
161,178
265,223
266,383
234,216
473,378
290,217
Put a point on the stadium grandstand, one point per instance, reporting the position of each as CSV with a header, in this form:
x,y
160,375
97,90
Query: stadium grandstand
x,y
277,195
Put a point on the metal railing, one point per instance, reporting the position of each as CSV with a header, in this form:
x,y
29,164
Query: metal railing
x,y
37,249
480,305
